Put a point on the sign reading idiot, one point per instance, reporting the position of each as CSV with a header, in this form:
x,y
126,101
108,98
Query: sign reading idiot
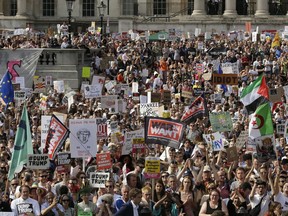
x,y
227,79
163,131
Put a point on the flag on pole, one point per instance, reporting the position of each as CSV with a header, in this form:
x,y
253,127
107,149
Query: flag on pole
x,y
255,94
57,134
22,145
6,88
196,110
261,123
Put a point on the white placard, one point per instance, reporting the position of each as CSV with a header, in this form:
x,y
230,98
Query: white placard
x,y
128,138
110,102
21,81
109,85
83,137
98,80
59,86
230,68
215,140
45,123
149,109
38,161
143,99
134,87
19,95
93,91
98,179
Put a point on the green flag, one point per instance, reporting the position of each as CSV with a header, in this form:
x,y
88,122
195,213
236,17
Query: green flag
x,y
22,145
261,123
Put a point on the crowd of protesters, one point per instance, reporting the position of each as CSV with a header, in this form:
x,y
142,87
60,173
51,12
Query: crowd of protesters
x,y
194,180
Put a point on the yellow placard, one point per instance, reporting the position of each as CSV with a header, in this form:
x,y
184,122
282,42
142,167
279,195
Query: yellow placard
x,y
152,166
86,72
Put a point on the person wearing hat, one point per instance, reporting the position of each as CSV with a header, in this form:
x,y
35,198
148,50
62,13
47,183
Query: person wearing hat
x,y
86,206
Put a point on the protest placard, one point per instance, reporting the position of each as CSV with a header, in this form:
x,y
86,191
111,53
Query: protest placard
x,y
265,148
24,208
152,167
39,85
227,79
110,102
128,140
241,140
275,94
19,95
45,123
85,72
230,68
21,81
155,97
98,80
38,161
98,179
280,129
103,161
187,94
221,121
59,86
232,154
214,140
149,109
163,131
166,96
101,128
82,137
93,91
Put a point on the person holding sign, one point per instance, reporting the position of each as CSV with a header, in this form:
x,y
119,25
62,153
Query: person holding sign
x,y
25,205
86,207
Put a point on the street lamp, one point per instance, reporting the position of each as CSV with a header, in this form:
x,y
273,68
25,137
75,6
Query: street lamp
x,y
69,4
101,9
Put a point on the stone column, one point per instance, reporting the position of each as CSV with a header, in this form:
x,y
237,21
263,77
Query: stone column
x,y
262,8
21,8
230,8
199,8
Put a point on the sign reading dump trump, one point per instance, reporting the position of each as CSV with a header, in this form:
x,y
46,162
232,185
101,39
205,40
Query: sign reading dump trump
x,y
163,131
38,161
98,179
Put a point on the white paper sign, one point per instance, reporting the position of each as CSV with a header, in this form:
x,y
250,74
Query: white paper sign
x,y
230,68
128,138
21,81
93,91
215,140
59,86
83,137
98,80
19,95
98,179
38,161
110,102
149,109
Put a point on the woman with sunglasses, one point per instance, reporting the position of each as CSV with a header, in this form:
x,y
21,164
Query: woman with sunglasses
x,y
68,211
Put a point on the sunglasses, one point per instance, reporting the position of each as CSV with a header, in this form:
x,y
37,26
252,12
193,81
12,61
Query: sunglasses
x,y
108,186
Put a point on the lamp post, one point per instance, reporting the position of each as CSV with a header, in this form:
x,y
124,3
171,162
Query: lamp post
x,y
101,9
69,4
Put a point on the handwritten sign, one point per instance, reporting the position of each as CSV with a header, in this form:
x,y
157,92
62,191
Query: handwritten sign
x,y
149,109
103,161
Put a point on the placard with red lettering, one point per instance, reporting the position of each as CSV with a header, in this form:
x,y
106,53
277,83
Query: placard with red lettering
x,y
103,161
101,128
163,131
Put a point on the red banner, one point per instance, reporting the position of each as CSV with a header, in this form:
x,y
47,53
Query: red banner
x,y
103,161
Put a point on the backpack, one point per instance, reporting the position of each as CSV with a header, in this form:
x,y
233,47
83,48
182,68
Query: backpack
x,y
256,210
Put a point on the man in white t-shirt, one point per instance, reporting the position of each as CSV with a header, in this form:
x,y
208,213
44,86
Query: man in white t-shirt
x,y
281,197
25,205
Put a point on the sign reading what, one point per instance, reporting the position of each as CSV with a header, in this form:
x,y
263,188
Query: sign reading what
x,y
38,161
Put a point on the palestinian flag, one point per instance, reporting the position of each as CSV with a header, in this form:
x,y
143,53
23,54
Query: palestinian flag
x,y
196,110
261,123
255,94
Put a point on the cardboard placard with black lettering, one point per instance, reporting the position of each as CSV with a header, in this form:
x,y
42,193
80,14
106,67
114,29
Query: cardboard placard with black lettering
x,y
98,179
232,154
38,161
166,96
227,79
155,97
275,94
19,95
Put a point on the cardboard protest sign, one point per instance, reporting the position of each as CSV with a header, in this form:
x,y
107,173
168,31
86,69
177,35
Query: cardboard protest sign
x,y
45,123
101,128
230,68
214,140
227,79
38,161
138,143
149,109
93,91
98,179
217,98
163,131
232,154
166,96
207,76
103,161
39,85
275,94
265,148
155,97
221,121
187,94
83,137
128,140
280,129
152,167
